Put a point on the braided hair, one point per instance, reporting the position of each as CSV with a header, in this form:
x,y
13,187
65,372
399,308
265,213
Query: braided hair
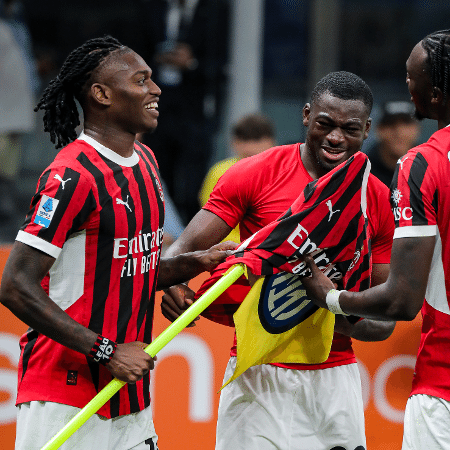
x,y
58,100
437,46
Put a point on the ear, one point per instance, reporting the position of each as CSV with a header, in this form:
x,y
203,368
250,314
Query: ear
x,y
101,93
305,113
367,127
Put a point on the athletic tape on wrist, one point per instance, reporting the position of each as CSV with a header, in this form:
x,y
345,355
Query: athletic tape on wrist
x,y
332,300
103,350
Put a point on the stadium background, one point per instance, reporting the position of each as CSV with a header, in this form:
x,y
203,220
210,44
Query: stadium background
x,y
278,49
189,371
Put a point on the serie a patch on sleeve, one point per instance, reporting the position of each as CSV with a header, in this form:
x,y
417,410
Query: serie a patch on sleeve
x,y
46,211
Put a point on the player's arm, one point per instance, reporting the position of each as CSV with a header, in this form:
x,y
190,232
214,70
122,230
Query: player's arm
x,y
185,266
368,330
21,292
399,298
203,231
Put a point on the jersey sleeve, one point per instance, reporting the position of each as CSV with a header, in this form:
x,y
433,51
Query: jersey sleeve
x,y
231,195
63,202
414,197
382,224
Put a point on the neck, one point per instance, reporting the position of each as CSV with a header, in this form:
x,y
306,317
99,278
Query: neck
x,y
310,164
116,140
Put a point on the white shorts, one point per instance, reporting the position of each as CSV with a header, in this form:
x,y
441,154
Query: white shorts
x,y
427,423
38,422
269,407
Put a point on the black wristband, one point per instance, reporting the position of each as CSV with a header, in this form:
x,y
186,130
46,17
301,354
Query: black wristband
x,y
102,350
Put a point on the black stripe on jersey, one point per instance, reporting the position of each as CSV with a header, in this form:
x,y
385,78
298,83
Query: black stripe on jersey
x,y
105,248
32,336
394,179
434,203
114,404
65,197
146,388
36,198
146,214
147,304
126,283
133,396
150,157
338,178
94,369
417,172
151,305
363,267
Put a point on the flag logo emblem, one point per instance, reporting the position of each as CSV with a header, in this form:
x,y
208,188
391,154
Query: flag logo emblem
x,y
283,303
46,211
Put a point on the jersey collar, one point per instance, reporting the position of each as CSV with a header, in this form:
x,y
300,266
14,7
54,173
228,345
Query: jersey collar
x,y
110,154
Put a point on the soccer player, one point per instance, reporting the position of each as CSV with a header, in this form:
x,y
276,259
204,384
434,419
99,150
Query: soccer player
x,y
294,405
420,266
86,263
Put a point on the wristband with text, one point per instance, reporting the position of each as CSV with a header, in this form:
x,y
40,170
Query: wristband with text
x,y
102,350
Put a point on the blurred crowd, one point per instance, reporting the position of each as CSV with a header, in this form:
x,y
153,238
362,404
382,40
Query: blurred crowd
x,y
185,43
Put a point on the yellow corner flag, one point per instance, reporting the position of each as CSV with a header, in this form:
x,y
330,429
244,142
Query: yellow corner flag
x,y
277,323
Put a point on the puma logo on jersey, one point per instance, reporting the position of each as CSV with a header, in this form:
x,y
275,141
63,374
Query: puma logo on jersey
x,y
63,182
119,201
400,161
330,207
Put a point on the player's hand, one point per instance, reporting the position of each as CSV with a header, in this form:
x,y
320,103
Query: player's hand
x,y
208,259
318,285
175,301
130,363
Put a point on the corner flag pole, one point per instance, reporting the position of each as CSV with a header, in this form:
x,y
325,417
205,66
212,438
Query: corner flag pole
x,y
152,349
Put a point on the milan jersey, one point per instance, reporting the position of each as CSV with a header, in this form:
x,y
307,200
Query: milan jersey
x,y
421,204
258,190
101,217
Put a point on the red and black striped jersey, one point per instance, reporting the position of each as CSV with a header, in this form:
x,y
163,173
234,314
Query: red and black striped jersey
x,y
101,217
420,200
328,220
255,192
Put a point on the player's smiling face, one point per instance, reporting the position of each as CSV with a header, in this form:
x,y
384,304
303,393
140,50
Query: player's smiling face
x,y
134,95
336,130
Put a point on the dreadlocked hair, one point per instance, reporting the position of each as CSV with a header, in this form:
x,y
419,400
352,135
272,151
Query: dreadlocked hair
x,y
58,100
437,46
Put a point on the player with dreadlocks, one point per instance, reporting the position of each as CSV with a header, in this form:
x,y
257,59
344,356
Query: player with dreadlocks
x,y
420,263
86,262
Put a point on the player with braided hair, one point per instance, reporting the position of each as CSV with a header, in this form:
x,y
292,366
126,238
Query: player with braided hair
x,y
58,100
437,46
86,263
420,263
